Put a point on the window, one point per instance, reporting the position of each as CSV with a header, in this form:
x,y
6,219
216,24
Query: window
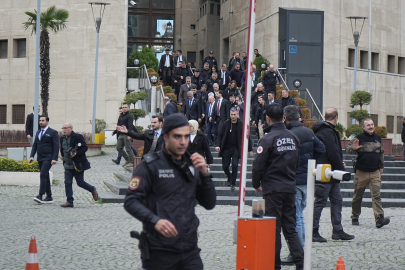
x,y
390,123
18,114
3,114
364,59
399,124
401,65
391,64
138,26
192,57
212,6
375,61
351,58
192,27
218,10
20,48
374,117
165,4
3,48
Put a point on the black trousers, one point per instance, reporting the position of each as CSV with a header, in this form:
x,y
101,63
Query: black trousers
x,y
45,184
166,260
167,76
282,206
322,193
227,155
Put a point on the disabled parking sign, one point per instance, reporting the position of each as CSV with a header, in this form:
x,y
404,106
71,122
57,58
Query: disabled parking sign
x,y
293,49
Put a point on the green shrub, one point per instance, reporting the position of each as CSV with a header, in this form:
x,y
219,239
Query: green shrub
x,y
100,125
340,128
354,130
382,131
147,57
137,113
293,93
300,102
359,115
167,89
306,113
11,165
309,123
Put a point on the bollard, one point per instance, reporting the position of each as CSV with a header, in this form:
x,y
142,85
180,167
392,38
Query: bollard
x,y
256,243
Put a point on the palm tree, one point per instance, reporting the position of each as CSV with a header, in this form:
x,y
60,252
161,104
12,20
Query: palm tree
x,y
51,20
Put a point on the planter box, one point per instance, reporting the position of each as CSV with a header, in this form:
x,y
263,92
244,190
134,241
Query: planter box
x,y
99,138
386,141
21,178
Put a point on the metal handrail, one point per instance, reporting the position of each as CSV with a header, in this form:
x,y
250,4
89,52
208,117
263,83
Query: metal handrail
x,y
283,80
313,101
162,103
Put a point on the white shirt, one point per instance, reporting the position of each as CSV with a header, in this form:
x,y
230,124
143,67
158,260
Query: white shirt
x,y
158,132
167,61
39,134
192,136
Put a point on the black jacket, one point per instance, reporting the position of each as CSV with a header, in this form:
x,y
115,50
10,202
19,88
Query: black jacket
x,y
211,61
288,101
198,81
147,136
310,148
205,74
193,112
200,145
210,84
126,120
229,91
329,136
269,80
48,147
237,76
223,134
178,72
223,110
171,108
80,157
276,161
226,75
403,133
29,126
163,60
159,189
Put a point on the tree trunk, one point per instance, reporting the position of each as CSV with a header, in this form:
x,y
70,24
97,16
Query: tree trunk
x,y
45,69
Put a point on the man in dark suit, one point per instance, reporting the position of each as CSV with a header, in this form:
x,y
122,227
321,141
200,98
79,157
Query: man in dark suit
x,y
224,78
229,146
210,120
254,78
46,146
221,110
153,138
179,58
73,149
170,108
166,67
192,108
184,89
29,126
180,75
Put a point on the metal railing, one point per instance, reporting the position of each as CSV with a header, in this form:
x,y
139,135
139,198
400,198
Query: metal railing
x,y
311,104
141,83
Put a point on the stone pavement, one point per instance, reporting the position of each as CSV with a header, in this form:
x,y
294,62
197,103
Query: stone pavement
x,y
96,236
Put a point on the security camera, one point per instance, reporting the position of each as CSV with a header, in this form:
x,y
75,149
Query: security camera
x,y
132,3
341,175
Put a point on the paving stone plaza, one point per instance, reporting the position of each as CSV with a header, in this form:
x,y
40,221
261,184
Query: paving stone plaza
x,y
96,236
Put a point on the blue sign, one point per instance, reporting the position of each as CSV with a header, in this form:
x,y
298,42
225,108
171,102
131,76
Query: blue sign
x,y
293,49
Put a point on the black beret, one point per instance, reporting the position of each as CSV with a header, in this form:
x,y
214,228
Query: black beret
x,y
174,121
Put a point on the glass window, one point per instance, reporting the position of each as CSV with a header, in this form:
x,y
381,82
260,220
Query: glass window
x,y
162,3
140,4
390,123
18,114
164,25
138,26
21,45
3,114
3,48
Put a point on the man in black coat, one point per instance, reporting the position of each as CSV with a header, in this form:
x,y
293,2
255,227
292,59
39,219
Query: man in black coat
x,y
197,79
192,107
166,67
205,72
73,149
211,81
153,139
170,108
329,136
286,99
221,110
270,78
210,59
179,58
29,126
180,75
236,74
224,77
46,146
229,146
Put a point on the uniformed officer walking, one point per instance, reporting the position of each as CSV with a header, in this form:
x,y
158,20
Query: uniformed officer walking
x,y
269,80
162,194
273,173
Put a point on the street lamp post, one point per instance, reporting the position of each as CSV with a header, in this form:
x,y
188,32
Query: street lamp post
x,y
97,22
356,38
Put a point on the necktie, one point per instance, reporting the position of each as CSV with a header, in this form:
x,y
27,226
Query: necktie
x,y
40,135
219,106
153,147
189,103
188,86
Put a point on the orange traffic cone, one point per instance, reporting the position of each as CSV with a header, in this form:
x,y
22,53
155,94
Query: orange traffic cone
x,y
32,258
340,264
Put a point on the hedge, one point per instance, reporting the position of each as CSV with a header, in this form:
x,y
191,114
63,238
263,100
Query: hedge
x,y
11,165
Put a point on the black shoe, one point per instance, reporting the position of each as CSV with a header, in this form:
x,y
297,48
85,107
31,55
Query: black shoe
x,y
341,235
316,237
232,187
38,199
115,161
228,183
47,200
287,260
382,221
355,222
66,204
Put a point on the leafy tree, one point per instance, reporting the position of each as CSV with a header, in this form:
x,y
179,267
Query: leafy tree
x,y
359,115
354,130
360,98
133,98
258,62
340,128
52,19
146,56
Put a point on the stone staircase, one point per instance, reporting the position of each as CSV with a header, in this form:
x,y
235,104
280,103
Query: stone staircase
x,y
392,191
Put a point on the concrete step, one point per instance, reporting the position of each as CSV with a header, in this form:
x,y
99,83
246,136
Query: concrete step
x,y
391,170
386,163
110,197
117,187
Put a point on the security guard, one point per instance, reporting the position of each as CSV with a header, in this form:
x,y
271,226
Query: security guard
x,y
162,194
211,60
270,78
273,173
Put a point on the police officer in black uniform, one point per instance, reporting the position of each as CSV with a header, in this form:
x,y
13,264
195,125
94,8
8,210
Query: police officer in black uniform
x,y
162,194
273,173
270,78
211,60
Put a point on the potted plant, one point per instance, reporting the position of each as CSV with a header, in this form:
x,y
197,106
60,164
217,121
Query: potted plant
x,y
387,142
100,126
